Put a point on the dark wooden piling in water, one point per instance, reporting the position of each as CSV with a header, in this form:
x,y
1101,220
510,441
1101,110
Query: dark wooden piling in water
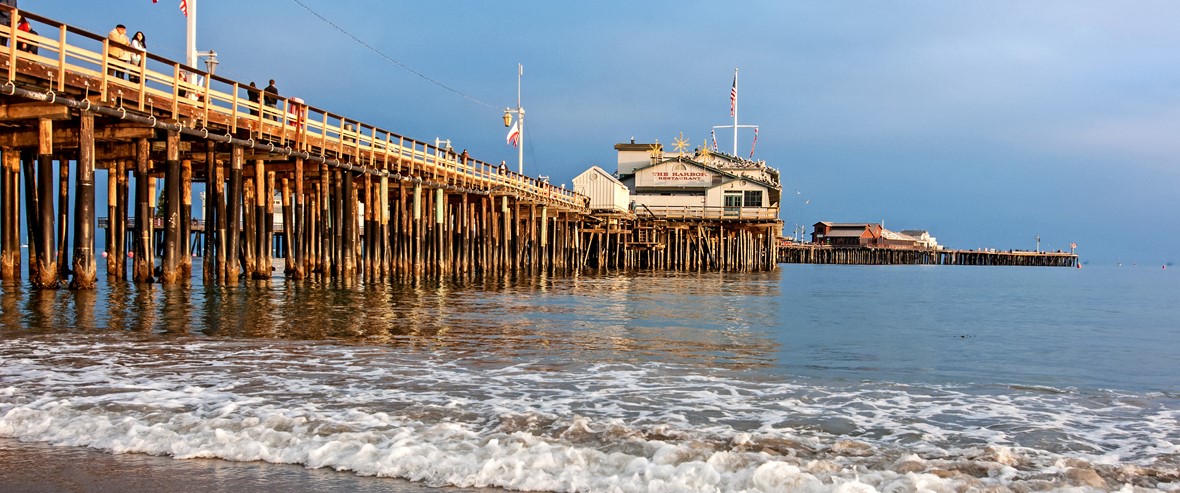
x,y
169,268
184,255
10,255
85,273
46,257
233,214
143,265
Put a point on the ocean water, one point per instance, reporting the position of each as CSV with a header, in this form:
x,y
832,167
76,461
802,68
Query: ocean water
x,y
812,378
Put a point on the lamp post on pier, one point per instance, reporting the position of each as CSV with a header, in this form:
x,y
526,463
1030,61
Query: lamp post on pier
x,y
518,129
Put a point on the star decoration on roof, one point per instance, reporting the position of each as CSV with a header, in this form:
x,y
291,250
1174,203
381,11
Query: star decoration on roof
x,y
680,143
656,151
703,155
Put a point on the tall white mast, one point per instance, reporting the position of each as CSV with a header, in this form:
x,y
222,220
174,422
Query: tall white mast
x,y
190,39
519,118
735,110
734,97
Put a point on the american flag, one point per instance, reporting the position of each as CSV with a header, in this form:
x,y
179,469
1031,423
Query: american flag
x,y
733,97
184,7
514,134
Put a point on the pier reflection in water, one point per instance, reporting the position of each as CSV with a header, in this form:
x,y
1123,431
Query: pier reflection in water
x,y
698,317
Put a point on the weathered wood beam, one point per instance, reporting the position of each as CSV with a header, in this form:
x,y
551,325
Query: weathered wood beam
x,y
33,111
69,138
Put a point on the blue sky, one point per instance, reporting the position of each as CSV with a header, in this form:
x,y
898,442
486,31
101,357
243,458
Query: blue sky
x,y
985,122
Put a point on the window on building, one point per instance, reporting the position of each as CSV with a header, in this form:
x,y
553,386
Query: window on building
x,y
753,198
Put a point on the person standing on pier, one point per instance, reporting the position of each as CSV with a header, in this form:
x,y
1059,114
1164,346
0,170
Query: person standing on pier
x,y
6,19
271,97
252,95
139,42
119,35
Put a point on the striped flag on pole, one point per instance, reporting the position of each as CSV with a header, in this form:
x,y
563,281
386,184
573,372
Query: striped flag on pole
x,y
514,134
754,143
184,7
733,97
713,133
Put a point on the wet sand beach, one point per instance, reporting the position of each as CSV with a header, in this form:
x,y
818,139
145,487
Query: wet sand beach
x,y
40,468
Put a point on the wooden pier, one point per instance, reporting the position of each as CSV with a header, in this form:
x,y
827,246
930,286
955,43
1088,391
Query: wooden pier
x,y
357,201
805,253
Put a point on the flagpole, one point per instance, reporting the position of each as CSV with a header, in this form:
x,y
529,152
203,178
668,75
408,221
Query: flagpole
x,y
735,111
190,39
520,118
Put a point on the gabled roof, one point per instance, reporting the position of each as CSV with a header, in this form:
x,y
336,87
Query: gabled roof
x,y
893,235
602,172
845,225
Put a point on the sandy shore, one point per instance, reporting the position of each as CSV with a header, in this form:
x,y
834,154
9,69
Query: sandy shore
x,y
36,467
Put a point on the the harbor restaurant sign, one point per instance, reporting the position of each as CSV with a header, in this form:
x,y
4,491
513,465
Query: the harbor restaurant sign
x,y
674,174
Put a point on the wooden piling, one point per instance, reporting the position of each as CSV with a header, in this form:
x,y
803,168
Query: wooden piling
x,y
63,220
46,261
185,222
85,272
169,268
144,260
294,230
120,220
10,254
32,212
209,255
233,215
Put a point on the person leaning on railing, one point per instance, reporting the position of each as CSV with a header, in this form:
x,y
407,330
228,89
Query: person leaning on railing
x,y
119,36
139,42
25,45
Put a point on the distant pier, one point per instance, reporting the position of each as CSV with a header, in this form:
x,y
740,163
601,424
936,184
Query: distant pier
x,y
846,255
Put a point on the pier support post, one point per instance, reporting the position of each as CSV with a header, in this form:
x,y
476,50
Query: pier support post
x,y
10,261
294,230
63,220
85,272
209,260
185,223
233,214
46,263
348,229
169,273
32,211
145,260
261,263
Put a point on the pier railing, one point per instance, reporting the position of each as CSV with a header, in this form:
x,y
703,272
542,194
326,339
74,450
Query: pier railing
x,y
712,213
66,59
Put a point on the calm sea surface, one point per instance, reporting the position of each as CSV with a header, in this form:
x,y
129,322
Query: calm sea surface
x,y
811,378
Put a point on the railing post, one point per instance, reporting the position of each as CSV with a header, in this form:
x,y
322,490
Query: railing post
x,y
61,59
